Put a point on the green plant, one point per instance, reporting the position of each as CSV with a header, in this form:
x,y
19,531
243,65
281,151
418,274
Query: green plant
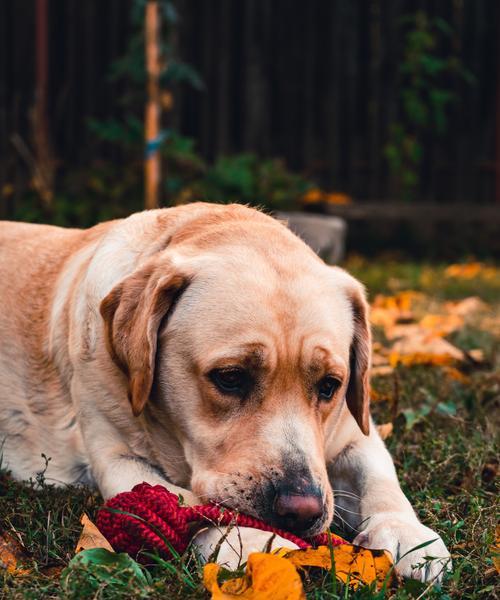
x,y
425,97
246,178
240,178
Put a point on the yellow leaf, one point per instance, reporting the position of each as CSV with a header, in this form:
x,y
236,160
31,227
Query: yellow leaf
x,y
385,430
91,537
313,196
455,374
424,350
381,371
466,306
353,564
477,355
12,554
274,577
382,317
267,577
337,198
464,271
441,325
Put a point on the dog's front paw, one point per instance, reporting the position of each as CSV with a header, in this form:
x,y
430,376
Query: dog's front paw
x,y
401,536
237,543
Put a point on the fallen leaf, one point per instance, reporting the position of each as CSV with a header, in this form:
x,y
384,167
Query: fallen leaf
x,y
353,564
400,331
456,375
467,306
441,325
337,198
381,317
13,555
385,430
401,302
382,371
422,350
476,354
91,537
312,196
267,577
470,271
274,577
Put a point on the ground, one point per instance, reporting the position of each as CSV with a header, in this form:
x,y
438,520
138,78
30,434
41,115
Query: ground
x,y
443,443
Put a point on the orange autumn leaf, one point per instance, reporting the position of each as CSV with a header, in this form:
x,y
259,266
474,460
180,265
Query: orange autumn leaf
x,y
381,371
386,311
337,198
267,577
470,271
317,195
466,307
313,196
275,577
12,554
422,350
353,564
441,325
91,537
385,430
456,375
403,301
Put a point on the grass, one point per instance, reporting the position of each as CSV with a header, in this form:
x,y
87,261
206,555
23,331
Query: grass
x,y
443,444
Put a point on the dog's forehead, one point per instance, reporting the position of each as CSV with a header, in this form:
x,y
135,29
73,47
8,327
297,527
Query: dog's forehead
x,y
235,303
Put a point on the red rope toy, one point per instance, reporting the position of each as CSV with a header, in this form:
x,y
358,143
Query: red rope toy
x,y
150,518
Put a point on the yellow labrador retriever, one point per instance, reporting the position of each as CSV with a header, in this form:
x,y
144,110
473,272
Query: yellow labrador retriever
x,y
208,349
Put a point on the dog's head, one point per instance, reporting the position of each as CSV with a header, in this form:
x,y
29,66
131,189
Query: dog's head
x,y
254,346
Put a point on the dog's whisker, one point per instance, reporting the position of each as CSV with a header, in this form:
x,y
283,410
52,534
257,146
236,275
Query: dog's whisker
x,y
346,493
346,524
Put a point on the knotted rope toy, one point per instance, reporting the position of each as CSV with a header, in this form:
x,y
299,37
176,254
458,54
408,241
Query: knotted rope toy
x,y
150,518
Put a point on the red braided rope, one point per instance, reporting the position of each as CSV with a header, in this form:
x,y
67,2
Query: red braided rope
x,y
150,518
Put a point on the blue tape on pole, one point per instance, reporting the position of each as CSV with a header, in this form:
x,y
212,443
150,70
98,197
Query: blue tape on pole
x,y
153,145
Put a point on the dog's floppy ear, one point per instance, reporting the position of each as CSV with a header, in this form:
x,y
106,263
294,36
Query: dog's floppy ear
x,y
358,390
132,313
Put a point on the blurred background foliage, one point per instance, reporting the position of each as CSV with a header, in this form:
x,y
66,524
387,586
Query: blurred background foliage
x,y
394,107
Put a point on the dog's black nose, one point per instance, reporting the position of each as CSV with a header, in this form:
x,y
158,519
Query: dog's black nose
x,y
297,511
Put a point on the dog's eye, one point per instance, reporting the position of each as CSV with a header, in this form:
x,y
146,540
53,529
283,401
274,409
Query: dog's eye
x,y
231,381
327,387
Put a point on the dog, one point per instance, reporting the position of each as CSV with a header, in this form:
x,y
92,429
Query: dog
x,y
205,348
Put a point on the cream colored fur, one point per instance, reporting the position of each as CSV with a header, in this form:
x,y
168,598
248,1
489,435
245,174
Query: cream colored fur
x,y
108,335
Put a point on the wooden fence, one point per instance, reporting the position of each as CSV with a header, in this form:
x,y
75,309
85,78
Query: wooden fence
x,y
314,82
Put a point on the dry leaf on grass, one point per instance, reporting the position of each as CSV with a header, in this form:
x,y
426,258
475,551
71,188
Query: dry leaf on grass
x,y
470,271
477,355
91,537
466,307
382,371
441,325
275,577
385,430
353,564
13,555
456,375
420,349
267,577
